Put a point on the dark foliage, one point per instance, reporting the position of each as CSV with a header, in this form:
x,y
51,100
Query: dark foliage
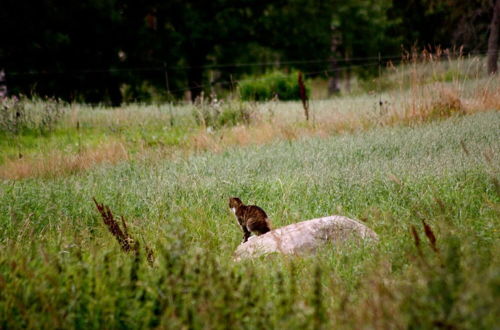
x,y
94,50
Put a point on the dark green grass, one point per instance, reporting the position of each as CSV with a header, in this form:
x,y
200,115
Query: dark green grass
x,y
61,268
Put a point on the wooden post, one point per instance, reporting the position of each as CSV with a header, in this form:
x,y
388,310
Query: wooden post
x,y
303,95
3,84
333,81
167,85
493,39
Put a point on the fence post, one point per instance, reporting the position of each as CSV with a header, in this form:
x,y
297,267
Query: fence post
x,y
167,85
3,84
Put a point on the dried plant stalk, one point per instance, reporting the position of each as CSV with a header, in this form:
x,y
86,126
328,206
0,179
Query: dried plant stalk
x,y
430,236
303,96
150,256
415,236
122,236
127,242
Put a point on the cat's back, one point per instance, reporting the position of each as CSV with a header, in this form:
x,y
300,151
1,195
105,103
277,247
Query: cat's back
x,y
257,220
255,211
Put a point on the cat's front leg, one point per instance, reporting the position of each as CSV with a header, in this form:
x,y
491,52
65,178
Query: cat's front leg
x,y
246,234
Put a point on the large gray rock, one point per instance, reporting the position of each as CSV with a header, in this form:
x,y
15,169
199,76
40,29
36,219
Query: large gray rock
x,y
305,237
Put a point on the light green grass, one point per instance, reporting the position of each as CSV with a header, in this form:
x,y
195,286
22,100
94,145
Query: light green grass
x,y
61,268
414,90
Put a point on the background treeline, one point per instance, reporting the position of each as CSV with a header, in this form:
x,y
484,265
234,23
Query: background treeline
x,y
105,50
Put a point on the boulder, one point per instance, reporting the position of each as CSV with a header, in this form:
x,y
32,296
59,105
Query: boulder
x,y
305,237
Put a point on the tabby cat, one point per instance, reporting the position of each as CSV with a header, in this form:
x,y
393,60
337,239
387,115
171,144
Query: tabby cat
x,y
251,218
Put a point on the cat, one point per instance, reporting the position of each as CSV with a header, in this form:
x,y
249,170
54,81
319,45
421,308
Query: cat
x,y
251,218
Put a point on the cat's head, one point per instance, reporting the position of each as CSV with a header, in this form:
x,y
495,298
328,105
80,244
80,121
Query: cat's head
x,y
234,202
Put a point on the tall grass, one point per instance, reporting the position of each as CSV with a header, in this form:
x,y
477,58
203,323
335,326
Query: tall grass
x,y
113,136
60,267
20,115
427,87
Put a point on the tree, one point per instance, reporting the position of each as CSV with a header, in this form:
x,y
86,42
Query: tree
x,y
202,29
88,50
445,23
493,39
360,29
61,48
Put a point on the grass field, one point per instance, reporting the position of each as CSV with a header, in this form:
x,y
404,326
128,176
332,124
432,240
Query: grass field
x,y
80,137
417,160
61,268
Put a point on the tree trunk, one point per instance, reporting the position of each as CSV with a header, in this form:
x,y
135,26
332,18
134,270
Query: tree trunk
x,y
195,81
347,75
493,39
195,72
115,94
333,80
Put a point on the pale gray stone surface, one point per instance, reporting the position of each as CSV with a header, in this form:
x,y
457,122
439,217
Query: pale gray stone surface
x,y
305,236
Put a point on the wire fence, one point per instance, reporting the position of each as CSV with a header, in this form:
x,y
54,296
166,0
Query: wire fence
x,y
163,67
341,65
379,61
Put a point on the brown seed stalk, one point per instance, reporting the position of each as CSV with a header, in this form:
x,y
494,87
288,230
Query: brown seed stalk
x,y
303,96
415,236
430,236
127,242
122,236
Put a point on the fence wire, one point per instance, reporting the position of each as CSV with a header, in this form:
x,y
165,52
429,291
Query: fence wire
x,y
344,64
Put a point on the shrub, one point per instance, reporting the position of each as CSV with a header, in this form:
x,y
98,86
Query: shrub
x,y
217,113
21,114
266,87
236,113
447,104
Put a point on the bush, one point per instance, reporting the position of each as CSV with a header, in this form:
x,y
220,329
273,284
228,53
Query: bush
x,y
235,114
217,113
266,87
21,114
446,105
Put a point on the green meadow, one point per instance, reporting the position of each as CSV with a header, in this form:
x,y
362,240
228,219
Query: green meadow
x,y
126,127
61,268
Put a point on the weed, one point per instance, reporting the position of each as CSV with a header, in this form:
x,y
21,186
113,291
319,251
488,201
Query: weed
x,y
122,236
18,115
303,95
215,113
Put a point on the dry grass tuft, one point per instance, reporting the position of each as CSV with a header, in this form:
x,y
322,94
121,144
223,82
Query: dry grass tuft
x,y
58,163
448,103
429,103
258,134
487,98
